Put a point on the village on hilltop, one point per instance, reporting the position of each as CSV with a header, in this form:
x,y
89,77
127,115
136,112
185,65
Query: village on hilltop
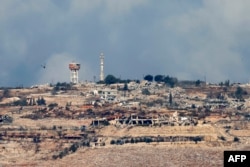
x,y
50,122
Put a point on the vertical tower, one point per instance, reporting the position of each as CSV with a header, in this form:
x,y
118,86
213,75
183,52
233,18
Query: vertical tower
x,y
74,68
102,67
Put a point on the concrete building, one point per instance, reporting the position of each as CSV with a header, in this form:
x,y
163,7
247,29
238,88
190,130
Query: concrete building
x,y
108,94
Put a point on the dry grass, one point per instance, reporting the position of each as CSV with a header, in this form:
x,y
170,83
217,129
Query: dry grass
x,y
23,153
206,130
135,155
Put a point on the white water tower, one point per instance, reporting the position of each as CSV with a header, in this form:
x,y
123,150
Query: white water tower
x,y
74,68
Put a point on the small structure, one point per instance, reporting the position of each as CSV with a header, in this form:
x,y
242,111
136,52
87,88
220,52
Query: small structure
x,y
100,142
108,94
74,68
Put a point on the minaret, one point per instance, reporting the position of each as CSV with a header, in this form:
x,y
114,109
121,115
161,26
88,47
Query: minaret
x,y
102,67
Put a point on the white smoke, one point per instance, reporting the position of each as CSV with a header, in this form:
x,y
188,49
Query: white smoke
x,y
57,69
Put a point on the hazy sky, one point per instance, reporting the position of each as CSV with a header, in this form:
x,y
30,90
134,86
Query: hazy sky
x,y
183,38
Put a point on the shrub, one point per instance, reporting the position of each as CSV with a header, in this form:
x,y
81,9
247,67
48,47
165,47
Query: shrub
x,y
73,147
87,144
112,142
54,127
222,138
52,105
36,139
137,140
236,139
120,142
160,139
132,140
41,101
55,156
61,154
196,139
148,140
126,141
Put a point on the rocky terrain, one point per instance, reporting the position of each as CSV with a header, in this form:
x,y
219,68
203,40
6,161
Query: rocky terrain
x,y
80,128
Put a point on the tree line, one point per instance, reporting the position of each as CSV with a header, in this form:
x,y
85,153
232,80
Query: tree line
x,y
171,81
111,79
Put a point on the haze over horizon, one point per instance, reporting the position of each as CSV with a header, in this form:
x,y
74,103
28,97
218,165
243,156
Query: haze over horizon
x,y
182,38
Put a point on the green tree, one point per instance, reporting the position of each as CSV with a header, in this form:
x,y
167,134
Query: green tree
x,y
110,79
170,99
221,84
112,142
158,78
149,78
6,93
41,101
52,106
166,79
73,147
197,83
227,83
239,92
236,139
125,88
171,81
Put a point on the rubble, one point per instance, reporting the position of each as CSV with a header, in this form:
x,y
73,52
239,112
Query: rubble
x,y
151,121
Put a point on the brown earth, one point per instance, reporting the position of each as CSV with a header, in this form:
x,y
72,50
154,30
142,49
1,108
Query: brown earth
x,y
149,155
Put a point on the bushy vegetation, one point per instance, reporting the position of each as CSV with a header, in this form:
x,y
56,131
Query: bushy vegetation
x,y
6,93
226,83
222,138
149,78
73,148
159,78
171,81
240,92
111,79
41,101
61,86
36,139
149,139
236,139
52,106
112,142
170,100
